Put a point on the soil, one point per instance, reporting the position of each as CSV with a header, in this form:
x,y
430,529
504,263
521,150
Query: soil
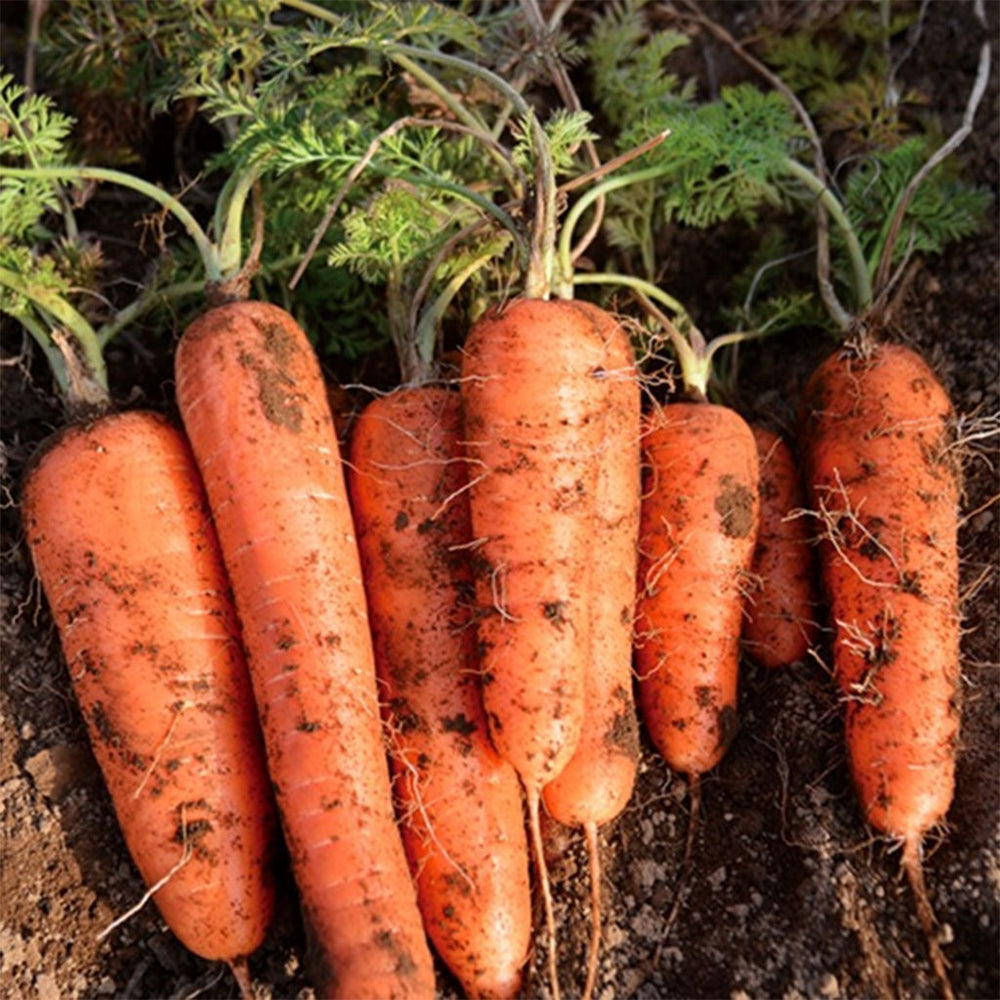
x,y
788,895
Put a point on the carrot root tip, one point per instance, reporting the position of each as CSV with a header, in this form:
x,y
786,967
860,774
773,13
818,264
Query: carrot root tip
x,y
593,852
241,973
913,866
543,878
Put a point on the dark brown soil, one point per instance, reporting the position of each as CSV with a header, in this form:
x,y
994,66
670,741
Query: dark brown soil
x,y
789,895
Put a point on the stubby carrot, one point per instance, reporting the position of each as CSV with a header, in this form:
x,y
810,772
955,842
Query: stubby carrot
x,y
123,543
596,784
253,402
877,428
460,803
699,522
697,535
781,624
535,398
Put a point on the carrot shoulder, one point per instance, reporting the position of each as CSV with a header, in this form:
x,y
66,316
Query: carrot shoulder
x,y
253,402
697,534
123,544
781,625
460,804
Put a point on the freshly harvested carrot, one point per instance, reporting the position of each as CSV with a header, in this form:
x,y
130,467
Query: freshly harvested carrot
x,y
697,534
460,803
253,402
877,429
781,625
698,528
596,784
535,397
123,543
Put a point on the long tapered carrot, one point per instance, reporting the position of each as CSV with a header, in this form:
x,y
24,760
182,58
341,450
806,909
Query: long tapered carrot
x,y
535,399
699,525
460,804
596,784
883,480
253,402
781,624
122,540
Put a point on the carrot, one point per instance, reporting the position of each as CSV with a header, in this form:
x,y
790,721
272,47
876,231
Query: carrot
x,y
781,626
596,784
460,803
122,541
697,532
699,525
253,402
877,426
535,398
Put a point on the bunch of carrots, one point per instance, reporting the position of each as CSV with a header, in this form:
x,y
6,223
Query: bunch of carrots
x,y
473,588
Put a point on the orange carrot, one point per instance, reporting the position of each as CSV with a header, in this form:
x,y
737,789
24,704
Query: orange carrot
x,y
460,803
781,625
123,544
596,784
253,402
535,397
877,426
699,525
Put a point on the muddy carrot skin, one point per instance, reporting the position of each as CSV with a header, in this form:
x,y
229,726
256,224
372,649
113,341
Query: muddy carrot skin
x,y
781,623
596,784
460,804
254,406
876,430
535,399
697,534
122,541
535,402
884,482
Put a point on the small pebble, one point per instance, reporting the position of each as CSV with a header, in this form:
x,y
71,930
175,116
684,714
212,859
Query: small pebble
x,y
106,987
828,985
982,521
46,987
27,731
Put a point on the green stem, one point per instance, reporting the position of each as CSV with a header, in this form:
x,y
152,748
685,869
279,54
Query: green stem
x,y
427,328
539,278
738,337
313,10
91,361
148,300
469,195
582,204
230,245
646,287
206,248
464,115
51,352
862,279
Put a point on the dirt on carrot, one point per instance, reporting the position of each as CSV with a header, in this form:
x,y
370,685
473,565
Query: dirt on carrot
x,y
798,901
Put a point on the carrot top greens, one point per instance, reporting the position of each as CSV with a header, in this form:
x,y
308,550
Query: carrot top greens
x,y
421,125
